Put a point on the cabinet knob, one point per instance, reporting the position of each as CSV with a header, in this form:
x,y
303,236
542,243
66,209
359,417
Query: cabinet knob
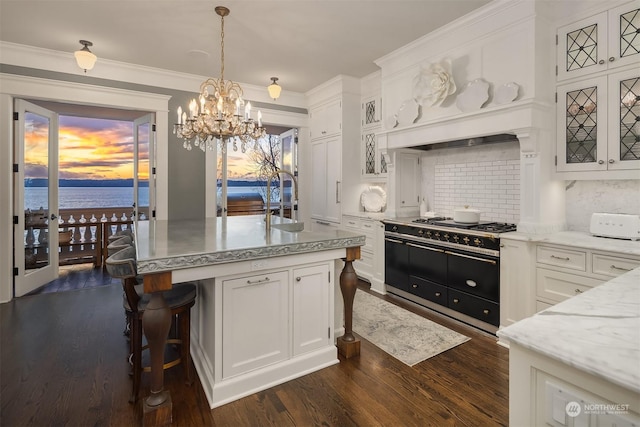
x,y
298,278
601,62
611,59
611,161
456,300
414,286
438,294
578,291
601,162
485,311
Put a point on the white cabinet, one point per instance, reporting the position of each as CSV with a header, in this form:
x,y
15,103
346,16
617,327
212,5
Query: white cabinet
x,y
408,186
311,317
517,275
365,265
563,272
275,316
599,43
374,165
326,177
597,127
255,322
326,119
598,135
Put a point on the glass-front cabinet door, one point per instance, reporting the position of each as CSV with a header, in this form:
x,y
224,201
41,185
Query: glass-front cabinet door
x,y
624,135
599,43
599,124
373,163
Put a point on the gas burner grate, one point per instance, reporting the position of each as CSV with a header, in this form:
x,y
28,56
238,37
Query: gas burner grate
x,y
496,227
430,220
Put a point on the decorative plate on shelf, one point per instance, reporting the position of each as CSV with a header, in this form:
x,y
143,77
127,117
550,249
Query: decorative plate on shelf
x,y
506,93
475,94
408,112
373,199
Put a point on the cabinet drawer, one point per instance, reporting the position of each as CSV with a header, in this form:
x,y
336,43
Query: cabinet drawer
x,y
479,308
428,290
612,266
558,286
573,260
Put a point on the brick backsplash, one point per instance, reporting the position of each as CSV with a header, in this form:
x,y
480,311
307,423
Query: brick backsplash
x,y
493,187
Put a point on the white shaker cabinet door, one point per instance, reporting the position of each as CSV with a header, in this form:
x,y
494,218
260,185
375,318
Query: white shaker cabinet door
x,y
255,321
311,317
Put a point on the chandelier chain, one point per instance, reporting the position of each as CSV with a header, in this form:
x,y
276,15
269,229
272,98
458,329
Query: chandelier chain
x,y
222,50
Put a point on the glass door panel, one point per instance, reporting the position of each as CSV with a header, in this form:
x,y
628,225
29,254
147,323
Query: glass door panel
x,y
144,167
36,197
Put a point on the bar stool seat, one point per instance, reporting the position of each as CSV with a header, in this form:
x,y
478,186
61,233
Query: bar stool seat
x,y
180,299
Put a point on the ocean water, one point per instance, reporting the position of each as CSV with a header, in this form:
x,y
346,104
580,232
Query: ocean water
x,y
85,197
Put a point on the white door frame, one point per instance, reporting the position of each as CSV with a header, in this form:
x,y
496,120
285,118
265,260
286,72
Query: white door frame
x,y
15,86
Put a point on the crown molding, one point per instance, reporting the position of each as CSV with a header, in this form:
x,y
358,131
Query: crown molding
x,y
64,62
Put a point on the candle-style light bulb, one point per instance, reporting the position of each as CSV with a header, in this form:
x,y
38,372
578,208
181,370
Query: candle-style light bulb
x,y
247,110
179,115
202,103
238,107
259,118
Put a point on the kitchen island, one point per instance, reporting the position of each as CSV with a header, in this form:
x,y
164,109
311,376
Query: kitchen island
x,y
578,362
266,306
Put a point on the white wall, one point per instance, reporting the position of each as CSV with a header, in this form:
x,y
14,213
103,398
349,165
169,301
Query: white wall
x,y
485,178
586,197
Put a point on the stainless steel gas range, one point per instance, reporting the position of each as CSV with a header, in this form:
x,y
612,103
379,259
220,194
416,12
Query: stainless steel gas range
x,y
450,267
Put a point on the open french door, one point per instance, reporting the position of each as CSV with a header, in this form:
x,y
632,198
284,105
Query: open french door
x,y
288,162
35,240
144,165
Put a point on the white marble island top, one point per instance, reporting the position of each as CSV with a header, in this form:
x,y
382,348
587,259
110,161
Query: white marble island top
x,y
597,331
166,245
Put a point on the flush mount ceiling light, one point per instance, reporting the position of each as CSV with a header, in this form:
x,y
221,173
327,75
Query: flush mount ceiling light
x,y
274,88
218,117
84,57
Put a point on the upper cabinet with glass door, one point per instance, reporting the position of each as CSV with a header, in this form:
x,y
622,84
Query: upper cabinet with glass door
x,y
598,121
602,42
374,165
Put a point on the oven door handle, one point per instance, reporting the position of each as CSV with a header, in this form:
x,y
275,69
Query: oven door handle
x,y
490,261
425,247
388,239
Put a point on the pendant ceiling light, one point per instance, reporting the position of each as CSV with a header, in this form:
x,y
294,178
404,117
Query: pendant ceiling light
x,y
84,57
220,114
274,88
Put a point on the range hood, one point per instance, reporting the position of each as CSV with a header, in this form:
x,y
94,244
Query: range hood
x,y
469,142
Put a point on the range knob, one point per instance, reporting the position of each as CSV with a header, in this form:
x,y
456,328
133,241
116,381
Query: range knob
x,y
456,238
446,237
429,234
477,241
465,240
420,232
437,235
394,228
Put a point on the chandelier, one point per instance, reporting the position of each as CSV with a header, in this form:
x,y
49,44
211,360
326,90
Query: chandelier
x,y
220,114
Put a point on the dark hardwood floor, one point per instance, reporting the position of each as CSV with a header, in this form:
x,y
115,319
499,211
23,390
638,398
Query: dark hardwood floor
x,y
63,362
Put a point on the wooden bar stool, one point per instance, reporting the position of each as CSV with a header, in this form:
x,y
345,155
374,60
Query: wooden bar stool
x,y
180,299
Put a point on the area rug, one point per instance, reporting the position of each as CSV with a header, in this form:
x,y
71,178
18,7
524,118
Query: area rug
x,y
404,335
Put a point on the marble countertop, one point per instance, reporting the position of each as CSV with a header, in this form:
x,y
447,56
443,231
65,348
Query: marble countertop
x,y
164,245
379,216
597,331
579,239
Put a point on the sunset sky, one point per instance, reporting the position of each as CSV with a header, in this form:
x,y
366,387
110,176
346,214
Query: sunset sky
x,y
88,149
101,149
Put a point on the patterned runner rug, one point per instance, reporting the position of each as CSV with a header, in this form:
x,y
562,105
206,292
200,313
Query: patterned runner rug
x,y
404,335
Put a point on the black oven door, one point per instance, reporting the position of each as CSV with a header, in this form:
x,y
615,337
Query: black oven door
x,y
475,274
427,262
396,258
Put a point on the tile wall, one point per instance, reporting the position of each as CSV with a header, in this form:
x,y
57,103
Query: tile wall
x,y
485,178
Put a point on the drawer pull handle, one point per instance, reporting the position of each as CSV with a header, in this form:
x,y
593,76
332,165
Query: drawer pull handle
x,y
456,300
485,311
438,294
414,286
614,267
490,261
563,258
253,282
424,247
578,291
471,283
